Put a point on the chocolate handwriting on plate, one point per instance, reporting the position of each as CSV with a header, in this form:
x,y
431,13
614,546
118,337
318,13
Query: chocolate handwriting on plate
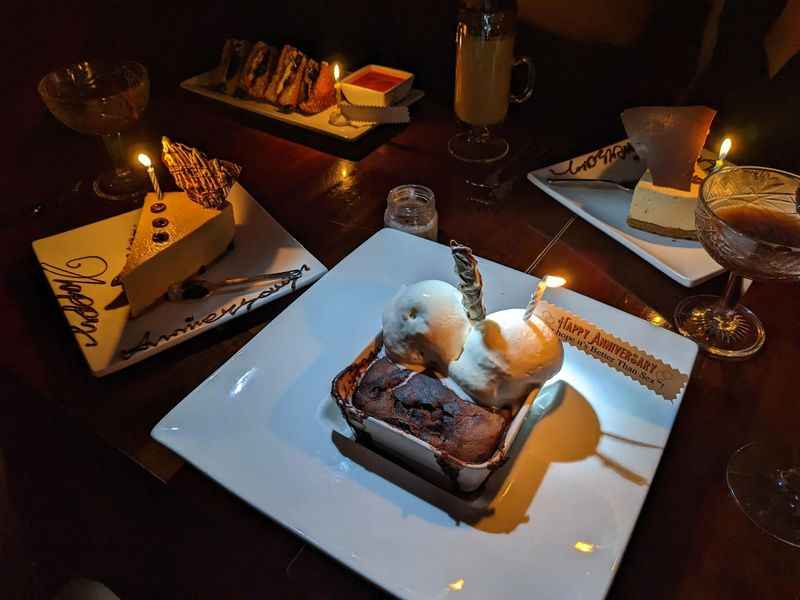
x,y
71,279
149,340
603,156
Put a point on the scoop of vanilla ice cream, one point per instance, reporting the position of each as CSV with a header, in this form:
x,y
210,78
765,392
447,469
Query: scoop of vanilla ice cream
x,y
425,324
504,357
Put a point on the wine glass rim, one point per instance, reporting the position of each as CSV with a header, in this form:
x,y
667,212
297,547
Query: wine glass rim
x,y
701,197
42,85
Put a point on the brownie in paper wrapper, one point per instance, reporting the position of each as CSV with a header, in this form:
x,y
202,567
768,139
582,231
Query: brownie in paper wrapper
x,y
205,181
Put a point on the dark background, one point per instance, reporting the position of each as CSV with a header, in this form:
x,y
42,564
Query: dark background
x,y
593,58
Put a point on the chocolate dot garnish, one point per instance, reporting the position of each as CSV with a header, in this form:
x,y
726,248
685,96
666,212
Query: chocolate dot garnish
x,y
158,207
160,222
160,237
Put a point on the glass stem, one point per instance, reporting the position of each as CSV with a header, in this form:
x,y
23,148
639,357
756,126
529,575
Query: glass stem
x,y
479,134
113,144
731,296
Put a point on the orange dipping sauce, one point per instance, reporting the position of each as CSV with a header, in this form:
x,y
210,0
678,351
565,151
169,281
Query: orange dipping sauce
x,y
376,80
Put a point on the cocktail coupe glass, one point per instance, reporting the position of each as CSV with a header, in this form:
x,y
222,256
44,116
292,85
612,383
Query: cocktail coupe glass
x,y
763,478
104,98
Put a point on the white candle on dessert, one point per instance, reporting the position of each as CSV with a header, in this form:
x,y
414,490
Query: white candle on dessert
x,y
546,281
151,172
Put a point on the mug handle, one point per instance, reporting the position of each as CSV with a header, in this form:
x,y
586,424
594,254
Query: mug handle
x,y
528,91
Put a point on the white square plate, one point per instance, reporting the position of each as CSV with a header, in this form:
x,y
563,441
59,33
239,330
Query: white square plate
x,y
606,208
263,427
319,122
80,265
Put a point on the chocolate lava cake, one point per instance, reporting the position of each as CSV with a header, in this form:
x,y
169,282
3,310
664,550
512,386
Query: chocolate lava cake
x,y
422,406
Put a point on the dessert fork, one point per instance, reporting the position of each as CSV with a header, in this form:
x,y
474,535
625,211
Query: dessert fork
x,y
623,185
196,289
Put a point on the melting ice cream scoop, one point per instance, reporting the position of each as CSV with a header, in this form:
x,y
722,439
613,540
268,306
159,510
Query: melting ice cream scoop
x,y
425,325
505,357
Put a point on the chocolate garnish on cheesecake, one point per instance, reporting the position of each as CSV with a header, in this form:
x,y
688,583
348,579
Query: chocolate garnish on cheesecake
x,y
205,181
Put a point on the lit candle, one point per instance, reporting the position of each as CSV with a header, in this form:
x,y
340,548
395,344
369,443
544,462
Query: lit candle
x,y
724,148
336,74
546,282
151,172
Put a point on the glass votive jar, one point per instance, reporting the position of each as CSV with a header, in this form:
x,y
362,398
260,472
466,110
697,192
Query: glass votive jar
x,y
412,208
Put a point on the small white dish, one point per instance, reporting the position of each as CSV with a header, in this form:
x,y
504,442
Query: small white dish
x,y
264,426
80,265
606,207
365,96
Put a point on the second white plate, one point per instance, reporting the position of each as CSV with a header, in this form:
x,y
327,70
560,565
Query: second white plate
x,y
265,427
606,208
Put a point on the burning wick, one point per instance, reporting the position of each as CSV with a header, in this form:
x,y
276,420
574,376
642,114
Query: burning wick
x,y
546,282
724,148
151,172
336,74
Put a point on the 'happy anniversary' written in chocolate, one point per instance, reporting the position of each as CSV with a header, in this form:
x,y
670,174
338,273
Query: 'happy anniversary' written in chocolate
x,y
69,282
149,341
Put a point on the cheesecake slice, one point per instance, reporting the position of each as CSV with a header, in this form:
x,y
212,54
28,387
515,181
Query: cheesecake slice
x,y
664,210
174,239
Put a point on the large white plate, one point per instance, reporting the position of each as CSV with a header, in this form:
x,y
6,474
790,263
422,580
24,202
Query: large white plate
x,y
80,265
262,426
319,122
606,208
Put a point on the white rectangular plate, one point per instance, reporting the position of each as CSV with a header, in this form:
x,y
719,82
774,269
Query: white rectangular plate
x,y
262,427
80,265
319,122
606,208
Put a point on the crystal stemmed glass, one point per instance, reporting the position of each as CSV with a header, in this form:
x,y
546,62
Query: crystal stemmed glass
x,y
104,98
747,219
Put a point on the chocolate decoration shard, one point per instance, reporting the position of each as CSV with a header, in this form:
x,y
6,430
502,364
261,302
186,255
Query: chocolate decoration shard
x,y
471,285
206,182
669,139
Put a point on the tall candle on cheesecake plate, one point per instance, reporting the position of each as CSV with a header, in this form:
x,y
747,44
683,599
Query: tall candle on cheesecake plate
x,y
145,161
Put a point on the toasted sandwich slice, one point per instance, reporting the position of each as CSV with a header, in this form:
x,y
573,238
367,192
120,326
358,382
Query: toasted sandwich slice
x,y
258,70
286,79
226,76
289,98
320,90
283,71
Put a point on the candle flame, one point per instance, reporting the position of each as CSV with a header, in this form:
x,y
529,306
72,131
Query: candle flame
x,y
554,281
724,148
336,72
145,160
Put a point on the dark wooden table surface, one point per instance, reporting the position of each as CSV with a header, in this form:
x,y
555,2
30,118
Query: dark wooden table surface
x,y
167,531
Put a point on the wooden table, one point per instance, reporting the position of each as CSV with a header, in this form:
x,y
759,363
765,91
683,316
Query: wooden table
x,y
691,539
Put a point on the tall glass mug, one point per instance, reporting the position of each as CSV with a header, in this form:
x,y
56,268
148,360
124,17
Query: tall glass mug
x,y
484,60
